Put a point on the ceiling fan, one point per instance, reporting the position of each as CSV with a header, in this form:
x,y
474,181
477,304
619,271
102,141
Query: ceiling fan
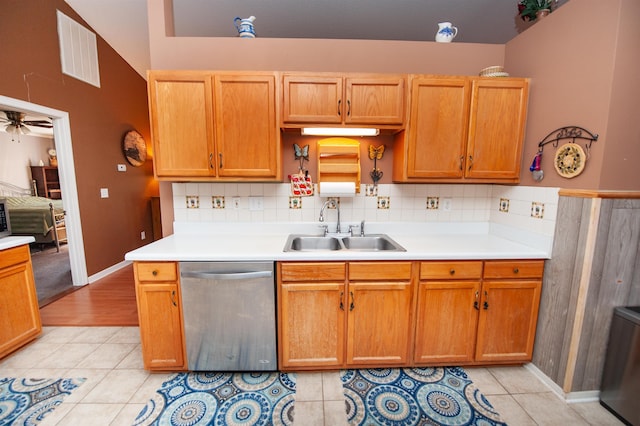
x,y
17,125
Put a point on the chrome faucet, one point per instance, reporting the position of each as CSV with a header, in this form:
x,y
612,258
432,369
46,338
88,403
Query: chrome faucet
x,y
337,207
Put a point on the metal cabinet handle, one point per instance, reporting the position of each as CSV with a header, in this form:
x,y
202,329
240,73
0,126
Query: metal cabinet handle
x,y
341,300
173,298
470,162
227,276
220,155
461,161
154,272
485,305
352,306
475,303
452,271
516,270
339,106
348,108
211,160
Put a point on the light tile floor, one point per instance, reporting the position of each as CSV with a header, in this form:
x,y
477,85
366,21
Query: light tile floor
x,y
117,386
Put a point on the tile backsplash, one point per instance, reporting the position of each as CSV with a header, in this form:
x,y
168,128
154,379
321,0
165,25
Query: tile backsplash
x,y
532,208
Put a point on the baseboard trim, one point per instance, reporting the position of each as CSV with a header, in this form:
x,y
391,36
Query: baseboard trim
x,y
110,270
570,397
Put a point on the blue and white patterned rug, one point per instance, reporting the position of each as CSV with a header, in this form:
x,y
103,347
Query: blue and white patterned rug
x,y
27,401
415,396
225,399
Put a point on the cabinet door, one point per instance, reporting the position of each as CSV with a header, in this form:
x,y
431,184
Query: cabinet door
x,y
376,100
496,128
18,300
446,321
507,321
437,128
247,136
181,110
311,324
160,320
312,99
378,323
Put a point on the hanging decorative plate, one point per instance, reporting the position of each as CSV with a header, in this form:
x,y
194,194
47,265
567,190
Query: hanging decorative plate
x,y
570,160
134,148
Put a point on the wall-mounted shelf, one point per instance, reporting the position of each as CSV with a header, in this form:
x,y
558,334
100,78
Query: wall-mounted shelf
x,y
339,161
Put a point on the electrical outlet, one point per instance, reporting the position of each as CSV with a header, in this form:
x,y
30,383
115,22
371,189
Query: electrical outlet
x,y
235,202
446,204
122,167
256,203
143,235
104,192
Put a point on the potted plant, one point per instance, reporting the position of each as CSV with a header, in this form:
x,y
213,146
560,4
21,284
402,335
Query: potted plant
x,y
529,10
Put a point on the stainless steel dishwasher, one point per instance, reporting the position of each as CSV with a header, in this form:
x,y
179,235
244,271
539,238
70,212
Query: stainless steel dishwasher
x,y
229,315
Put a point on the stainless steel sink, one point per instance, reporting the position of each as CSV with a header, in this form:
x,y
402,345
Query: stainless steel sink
x,y
312,243
374,242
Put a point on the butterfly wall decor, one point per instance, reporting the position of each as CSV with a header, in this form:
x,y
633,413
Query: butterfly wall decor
x,y
375,154
301,154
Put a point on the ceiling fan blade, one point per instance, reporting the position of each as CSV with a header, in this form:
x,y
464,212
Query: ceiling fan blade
x,y
38,123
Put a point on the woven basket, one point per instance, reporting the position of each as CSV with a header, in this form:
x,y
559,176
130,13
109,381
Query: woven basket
x,y
494,71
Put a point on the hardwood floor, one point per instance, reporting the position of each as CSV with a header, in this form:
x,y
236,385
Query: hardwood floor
x,y
110,301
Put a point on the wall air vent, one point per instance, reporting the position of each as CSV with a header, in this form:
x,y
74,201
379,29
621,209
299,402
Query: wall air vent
x,y
78,50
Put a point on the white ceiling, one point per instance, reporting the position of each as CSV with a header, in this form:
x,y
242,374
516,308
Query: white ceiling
x,y
123,23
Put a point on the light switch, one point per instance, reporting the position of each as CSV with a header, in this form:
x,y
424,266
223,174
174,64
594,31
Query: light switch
x,y
104,192
256,203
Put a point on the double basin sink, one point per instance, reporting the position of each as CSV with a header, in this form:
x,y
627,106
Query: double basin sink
x,y
371,242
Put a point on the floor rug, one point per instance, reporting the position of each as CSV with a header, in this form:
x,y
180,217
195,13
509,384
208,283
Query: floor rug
x,y
27,401
415,396
225,399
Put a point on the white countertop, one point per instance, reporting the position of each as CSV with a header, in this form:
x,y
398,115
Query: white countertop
x,y
265,241
14,241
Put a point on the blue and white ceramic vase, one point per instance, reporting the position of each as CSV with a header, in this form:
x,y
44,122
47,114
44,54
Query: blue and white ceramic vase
x,y
446,32
245,27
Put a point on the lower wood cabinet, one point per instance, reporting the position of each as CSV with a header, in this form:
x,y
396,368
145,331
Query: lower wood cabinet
x,y
18,300
509,311
477,312
338,314
160,315
366,314
447,313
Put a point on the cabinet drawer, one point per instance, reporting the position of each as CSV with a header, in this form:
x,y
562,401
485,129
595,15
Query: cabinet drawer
x,y
313,271
450,270
513,268
14,255
379,271
156,271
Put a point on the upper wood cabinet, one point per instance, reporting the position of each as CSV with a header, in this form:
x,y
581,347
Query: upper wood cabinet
x,y
463,128
214,125
336,99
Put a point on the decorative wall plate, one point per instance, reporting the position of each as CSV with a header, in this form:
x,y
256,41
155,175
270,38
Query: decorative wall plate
x,y
570,160
134,148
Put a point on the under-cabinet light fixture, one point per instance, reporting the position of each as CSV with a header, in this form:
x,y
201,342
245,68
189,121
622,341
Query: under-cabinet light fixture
x,y
339,131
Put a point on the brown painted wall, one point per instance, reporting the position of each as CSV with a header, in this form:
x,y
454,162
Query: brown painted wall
x,y
583,60
31,71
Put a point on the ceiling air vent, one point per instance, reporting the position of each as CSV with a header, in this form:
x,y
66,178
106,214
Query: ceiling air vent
x,y
78,50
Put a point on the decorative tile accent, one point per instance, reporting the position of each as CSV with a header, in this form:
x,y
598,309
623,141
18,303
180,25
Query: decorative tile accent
x,y
504,205
217,201
336,200
383,203
370,190
295,202
433,203
193,202
537,210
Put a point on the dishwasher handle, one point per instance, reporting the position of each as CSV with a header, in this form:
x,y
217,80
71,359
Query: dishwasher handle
x,y
227,275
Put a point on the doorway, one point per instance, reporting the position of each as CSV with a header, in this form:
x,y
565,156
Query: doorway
x,y
68,186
